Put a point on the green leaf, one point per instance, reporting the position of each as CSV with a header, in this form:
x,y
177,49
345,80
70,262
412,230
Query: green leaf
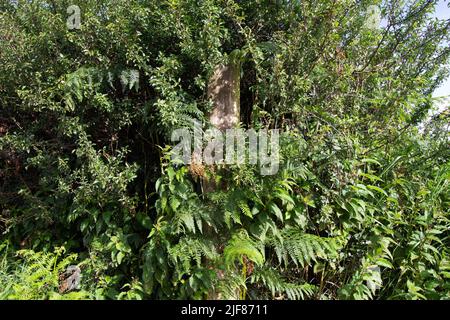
x,y
276,211
378,189
120,256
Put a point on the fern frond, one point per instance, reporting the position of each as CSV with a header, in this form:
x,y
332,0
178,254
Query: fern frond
x,y
36,276
241,245
271,279
190,250
302,248
231,287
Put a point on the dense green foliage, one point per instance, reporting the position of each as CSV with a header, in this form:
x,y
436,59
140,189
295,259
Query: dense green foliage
x,y
358,210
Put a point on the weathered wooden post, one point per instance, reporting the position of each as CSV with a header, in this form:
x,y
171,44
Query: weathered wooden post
x,y
224,92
